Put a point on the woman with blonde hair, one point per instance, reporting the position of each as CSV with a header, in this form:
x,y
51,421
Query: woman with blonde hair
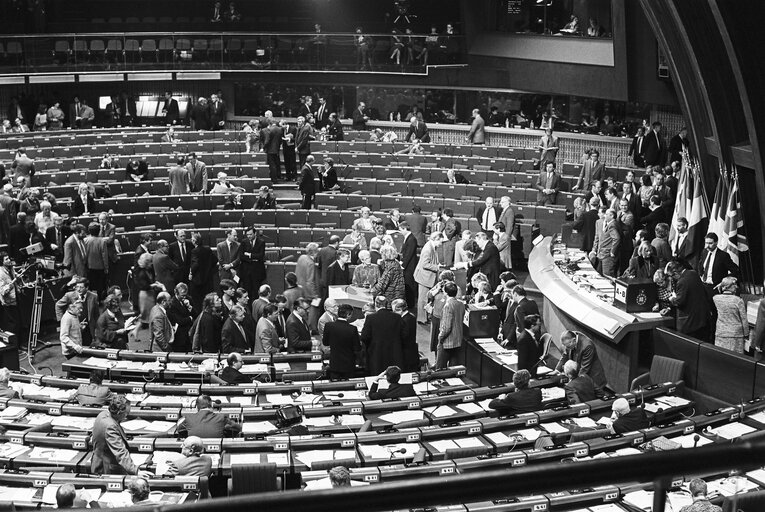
x,y
391,282
732,329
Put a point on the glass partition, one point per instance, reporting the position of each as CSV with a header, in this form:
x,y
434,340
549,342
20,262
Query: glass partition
x,y
572,18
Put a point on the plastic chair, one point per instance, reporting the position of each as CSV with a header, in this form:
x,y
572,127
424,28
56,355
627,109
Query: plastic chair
x,y
252,478
663,369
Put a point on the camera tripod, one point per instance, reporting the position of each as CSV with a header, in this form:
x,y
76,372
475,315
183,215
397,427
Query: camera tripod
x,y
34,344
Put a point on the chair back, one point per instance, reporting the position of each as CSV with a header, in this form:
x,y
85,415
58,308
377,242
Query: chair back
x,y
666,369
252,478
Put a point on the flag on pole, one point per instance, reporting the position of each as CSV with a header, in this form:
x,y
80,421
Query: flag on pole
x,y
735,239
681,200
719,210
691,204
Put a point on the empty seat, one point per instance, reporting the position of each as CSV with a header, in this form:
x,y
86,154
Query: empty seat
x,y
114,20
149,47
132,19
165,19
132,49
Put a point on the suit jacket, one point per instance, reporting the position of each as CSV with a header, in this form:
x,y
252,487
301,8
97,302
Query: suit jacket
x,y
693,304
217,113
172,112
96,253
409,259
411,349
179,179
326,256
233,376
634,420
307,184
272,140
50,238
482,209
179,315
585,226
338,276
203,264
634,203
197,176
590,172
394,391
298,335
111,455
345,345
165,270
420,132
542,184
74,259
521,400
383,335
529,352
191,465
335,130
586,356
642,268
359,123
232,339
89,310
92,394
183,264
204,423
225,256
450,329
305,269
606,243
503,246
580,389
417,224
524,308
477,133
652,219
684,250
722,266
452,229
426,271
78,208
758,338
303,137
654,150
266,338
161,329
507,217
489,263
637,151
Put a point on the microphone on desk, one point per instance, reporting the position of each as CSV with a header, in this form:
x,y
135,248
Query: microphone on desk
x,y
400,450
696,438
741,412
340,395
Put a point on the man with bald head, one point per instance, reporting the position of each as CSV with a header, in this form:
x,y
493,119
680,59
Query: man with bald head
x,y
193,462
330,315
165,269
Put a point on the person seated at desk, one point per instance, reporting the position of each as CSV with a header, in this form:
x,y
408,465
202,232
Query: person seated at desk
x,y
65,496
579,388
94,393
193,462
626,420
205,422
137,170
454,178
139,491
356,237
231,373
701,503
395,390
169,136
5,390
524,399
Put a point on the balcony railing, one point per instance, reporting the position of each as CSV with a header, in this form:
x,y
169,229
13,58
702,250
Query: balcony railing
x,y
136,51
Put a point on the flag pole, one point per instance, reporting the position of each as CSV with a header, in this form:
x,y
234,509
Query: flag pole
x,y
749,264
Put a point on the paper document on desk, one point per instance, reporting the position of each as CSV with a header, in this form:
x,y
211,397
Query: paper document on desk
x,y
18,495
162,460
672,401
485,405
498,438
160,426
511,358
530,434
585,422
444,444
553,393
649,316
307,398
257,427
73,422
275,399
242,400
314,367
38,418
758,475
470,408
310,457
99,362
440,411
52,454
255,368
280,459
640,499
115,500
469,442
731,485
347,395
282,367
350,420
13,412
759,417
554,427
49,494
733,430
608,507
10,450
135,424
423,388
402,416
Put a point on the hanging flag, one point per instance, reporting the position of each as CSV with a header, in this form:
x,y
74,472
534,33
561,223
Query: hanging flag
x,y
719,210
735,239
683,195
698,212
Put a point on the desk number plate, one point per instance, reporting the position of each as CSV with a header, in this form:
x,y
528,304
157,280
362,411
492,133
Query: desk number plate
x,y
413,438
584,412
371,478
17,440
519,462
688,430
36,381
413,405
212,447
280,446
581,452
474,430
305,389
144,448
346,443
447,471
355,410
532,421
137,389
638,440
111,355
54,411
611,496
361,385
190,486
233,415
539,507
249,391
265,360
40,483
114,486
78,444
171,416
192,391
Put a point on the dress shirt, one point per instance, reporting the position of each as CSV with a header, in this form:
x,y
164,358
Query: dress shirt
x,y
679,239
708,264
489,219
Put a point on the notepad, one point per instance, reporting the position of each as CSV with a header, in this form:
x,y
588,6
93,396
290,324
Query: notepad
x,y
280,459
402,416
441,411
469,442
640,499
135,424
759,417
585,422
10,450
499,438
443,445
13,412
554,427
530,434
470,408
52,454
279,399
160,426
310,457
733,430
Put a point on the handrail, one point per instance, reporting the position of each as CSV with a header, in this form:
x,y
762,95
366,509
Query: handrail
x,y
91,35
498,484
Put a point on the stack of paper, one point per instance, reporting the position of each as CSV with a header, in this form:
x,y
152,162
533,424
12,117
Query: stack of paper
x,y
282,367
553,393
585,422
470,408
733,430
73,422
469,442
12,413
99,362
17,495
275,399
10,450
554,427
257,427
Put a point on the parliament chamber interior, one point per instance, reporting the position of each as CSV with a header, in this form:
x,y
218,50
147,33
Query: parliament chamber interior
x,y
425,255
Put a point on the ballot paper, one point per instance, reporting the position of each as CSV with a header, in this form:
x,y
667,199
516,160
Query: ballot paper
x,y
314,367
733,430
530,434
640,499
554,427
280,459
585,422
469,442
310,457
758,475
73,422
162,460
440,411
307,398
282,367
444,444
499,438
160,426
135,424
279,399
352,419
13,412
242,400
52,454
553,393
17,495
257,427
10,450
470,408
38,418
688,441
485,404
454,381
99,362
759,417
402,416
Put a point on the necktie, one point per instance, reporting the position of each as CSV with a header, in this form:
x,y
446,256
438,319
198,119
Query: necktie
x,y
183,252
486,220
244,336
58,237
640,144
82,248
707,269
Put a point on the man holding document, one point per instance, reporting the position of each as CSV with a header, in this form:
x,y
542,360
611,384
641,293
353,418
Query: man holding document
x,y
111,455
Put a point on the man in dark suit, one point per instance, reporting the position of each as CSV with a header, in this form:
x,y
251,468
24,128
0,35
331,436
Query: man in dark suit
x,y
206,423
55,237
193,463
162,334
202,269
677,145
233,336
654,150
548,185
418,131
92,393
111,455
411,349
529,346
342,338
360,117
298,334
694,308
231,373
488,261
417,225
523,399
626,420
180,313
383,335
714,264
304,134
580,348
253,261
585,226
170,109
289,134
18,238
217,112
180,253
392,375
579,388
409,261
682,249
487,215
335,128
636,148
97,259
326,257
272,141
307,184
228,255
524,307
592,170
165,269
322,114
656,216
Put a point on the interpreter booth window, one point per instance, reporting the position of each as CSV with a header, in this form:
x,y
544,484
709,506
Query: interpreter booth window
x,y
572,18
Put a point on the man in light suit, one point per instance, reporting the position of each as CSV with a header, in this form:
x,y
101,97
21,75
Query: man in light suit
x,y
74,253
266,338
193,462
605,248
88,313
94,392
180,253
592,170
233,336
165,269
161,329
272,141
450,331
548,185
97,259
477,133
409,262
426,273
108,231
87,115
507,215
549,145
418,130
197,174
228,255
502,241
179,177
111,454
